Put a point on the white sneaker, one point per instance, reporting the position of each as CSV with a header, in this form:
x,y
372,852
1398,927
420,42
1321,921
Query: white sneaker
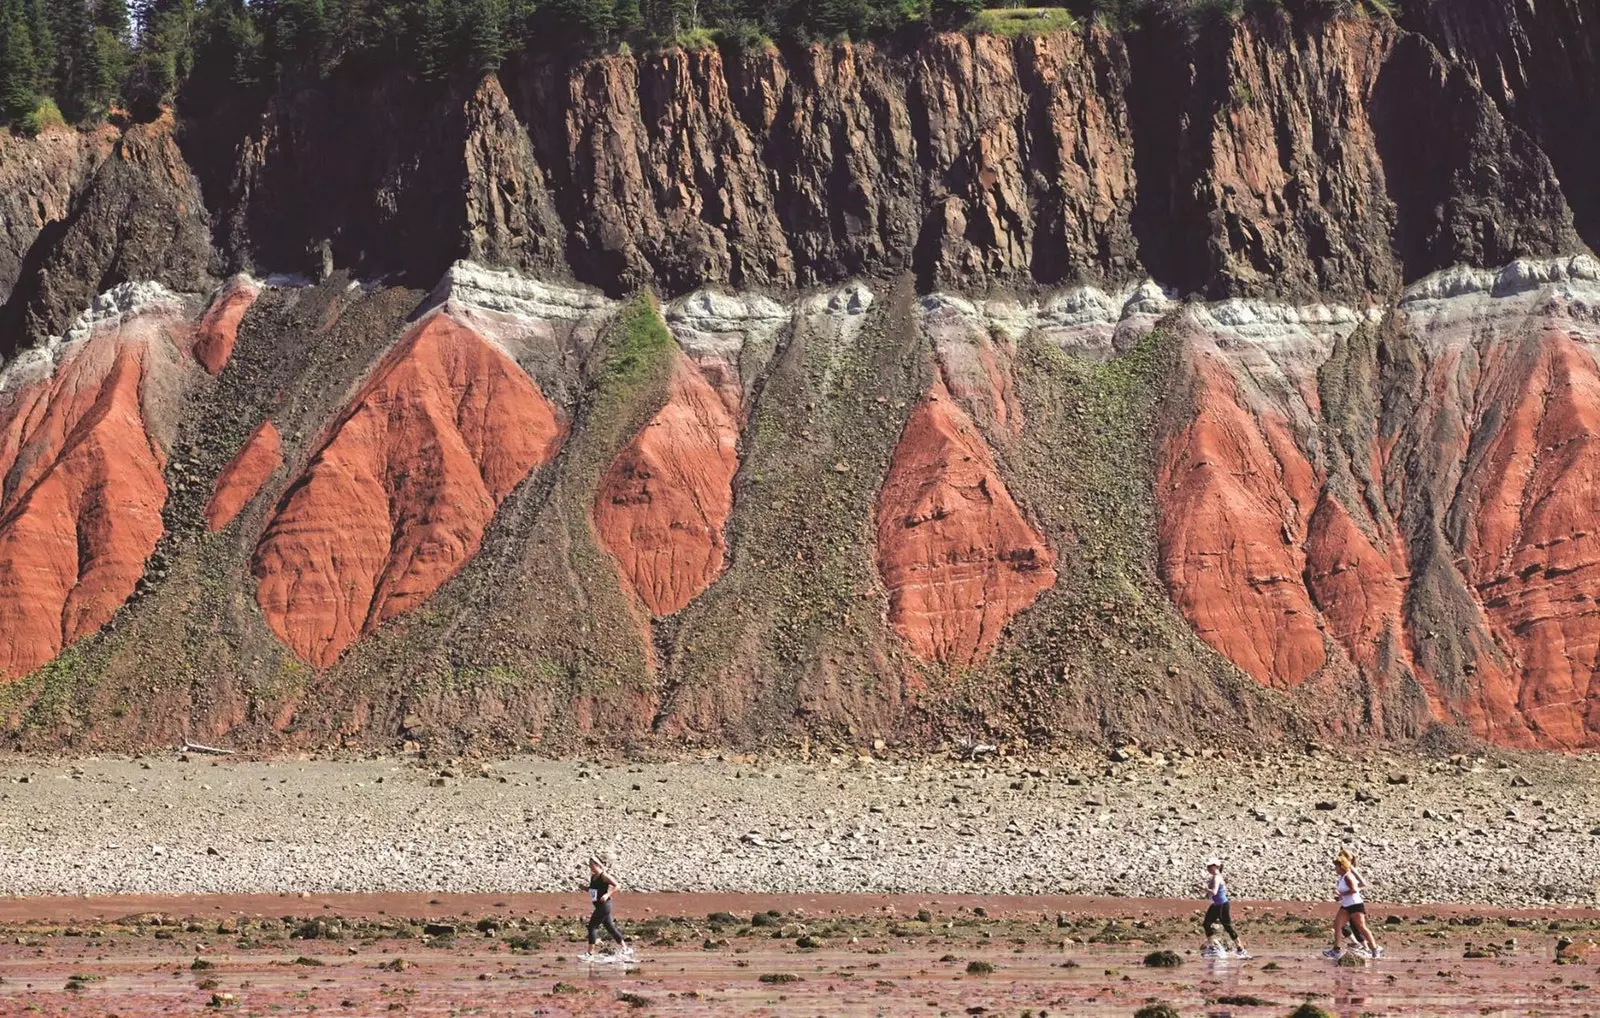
x,y
626,953
1334,953
1241,953
1378,953
1213,951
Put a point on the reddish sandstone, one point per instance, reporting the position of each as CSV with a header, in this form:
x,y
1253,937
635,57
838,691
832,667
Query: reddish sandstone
x,y
219,326
1356,586
663,504
956,554
400,494
1230,526
243,476
1534,549
81,493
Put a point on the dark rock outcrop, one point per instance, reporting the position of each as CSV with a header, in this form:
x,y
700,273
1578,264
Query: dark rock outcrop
x,y
1261,157
139,218
1540,62
39,179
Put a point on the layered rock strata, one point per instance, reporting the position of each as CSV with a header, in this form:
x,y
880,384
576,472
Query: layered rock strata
x,y
399,495
242,478
39,179
82,456
139,217
956,554
1302,159
663,505
1323,516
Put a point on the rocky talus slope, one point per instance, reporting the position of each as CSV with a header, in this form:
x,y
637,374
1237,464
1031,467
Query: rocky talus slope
x,y
1231,385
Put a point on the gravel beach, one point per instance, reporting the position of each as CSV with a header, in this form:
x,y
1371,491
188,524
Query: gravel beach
x,y
1504,831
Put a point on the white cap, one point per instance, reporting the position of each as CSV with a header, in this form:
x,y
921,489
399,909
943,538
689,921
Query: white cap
x,y
1213,861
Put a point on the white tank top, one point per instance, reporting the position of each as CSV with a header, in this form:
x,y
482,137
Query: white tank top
x,y
1349,893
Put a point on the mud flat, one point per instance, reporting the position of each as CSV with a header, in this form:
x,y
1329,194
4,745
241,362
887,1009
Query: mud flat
x,y
1503,831
774,955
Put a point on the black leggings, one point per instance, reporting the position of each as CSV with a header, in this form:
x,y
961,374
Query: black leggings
x,y
1223,914
602,917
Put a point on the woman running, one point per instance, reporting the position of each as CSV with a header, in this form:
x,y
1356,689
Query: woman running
x,y
601,888
1352,907
1220,911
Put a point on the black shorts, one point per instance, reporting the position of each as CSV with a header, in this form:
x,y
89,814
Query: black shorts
x,y
1359,908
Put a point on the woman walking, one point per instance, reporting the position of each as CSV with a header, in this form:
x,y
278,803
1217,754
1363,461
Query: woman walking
x,y
601,889
1352,908
1219,912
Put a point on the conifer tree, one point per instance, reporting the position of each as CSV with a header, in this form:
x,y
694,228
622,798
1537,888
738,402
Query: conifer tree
x,y
19,94
485,32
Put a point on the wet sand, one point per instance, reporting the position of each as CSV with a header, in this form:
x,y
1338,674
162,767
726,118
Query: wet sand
x,y
877,955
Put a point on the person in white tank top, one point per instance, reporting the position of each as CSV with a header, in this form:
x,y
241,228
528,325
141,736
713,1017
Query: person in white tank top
x,y
1352,908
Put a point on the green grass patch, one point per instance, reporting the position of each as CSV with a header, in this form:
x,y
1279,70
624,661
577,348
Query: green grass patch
x,y
693,40
640,344
1012,22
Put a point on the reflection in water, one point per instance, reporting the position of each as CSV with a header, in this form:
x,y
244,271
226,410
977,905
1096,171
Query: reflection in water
x,y
1349,996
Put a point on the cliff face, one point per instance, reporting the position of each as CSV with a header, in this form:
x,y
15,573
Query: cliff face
x,y
1337,158
919,439
39,178
1541,65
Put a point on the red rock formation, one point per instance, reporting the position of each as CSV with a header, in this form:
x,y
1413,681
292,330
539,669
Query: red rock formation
x,y
1355,586
399,495
1232,493
243,476
1534,548
956,554
1505,441
219,326
81,492
663,504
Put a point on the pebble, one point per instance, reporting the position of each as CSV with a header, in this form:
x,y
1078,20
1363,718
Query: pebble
x,y
974,822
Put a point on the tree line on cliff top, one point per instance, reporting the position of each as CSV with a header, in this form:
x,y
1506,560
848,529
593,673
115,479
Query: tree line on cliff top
x,y
77,61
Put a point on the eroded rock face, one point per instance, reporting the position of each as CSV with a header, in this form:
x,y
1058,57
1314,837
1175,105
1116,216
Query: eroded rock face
x,y
140,216
974,360
664,503
398,497
239,481
219,326
1231,528
955,553
39,178
1532,545
1428,528
81,476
